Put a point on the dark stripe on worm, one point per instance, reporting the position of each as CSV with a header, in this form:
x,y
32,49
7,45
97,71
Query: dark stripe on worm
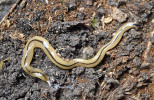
x,y
35,72
71,64
44,44
76,62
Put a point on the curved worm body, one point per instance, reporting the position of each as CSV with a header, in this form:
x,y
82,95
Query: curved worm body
x,y
66,64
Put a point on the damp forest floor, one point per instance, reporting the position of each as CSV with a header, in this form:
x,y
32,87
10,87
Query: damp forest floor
x,y
78,29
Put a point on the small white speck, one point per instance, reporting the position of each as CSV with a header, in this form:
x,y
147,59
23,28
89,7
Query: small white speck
x,y
38,74
46,1
45,44
49,83
52,53
28,50
113,34
26,53
25,65
79,60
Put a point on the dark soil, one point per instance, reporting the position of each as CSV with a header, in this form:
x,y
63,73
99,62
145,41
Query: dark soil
x,y
126,72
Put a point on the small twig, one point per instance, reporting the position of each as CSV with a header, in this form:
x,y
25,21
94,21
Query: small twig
x,y
23,3
49,23
147,51
13,7
132,15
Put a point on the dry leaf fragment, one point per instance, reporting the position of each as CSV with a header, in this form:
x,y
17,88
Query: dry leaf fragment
x,y
17,35
6,24
107,20
118,14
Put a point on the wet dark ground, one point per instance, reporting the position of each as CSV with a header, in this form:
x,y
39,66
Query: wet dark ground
x,y
126,72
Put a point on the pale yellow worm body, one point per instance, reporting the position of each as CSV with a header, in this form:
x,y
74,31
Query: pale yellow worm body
x,y
66,64
2,62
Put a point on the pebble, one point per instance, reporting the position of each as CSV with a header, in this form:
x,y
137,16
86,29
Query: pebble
x,y
74,40
88,52
145,65
112,81
72,6
99,32
136,62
